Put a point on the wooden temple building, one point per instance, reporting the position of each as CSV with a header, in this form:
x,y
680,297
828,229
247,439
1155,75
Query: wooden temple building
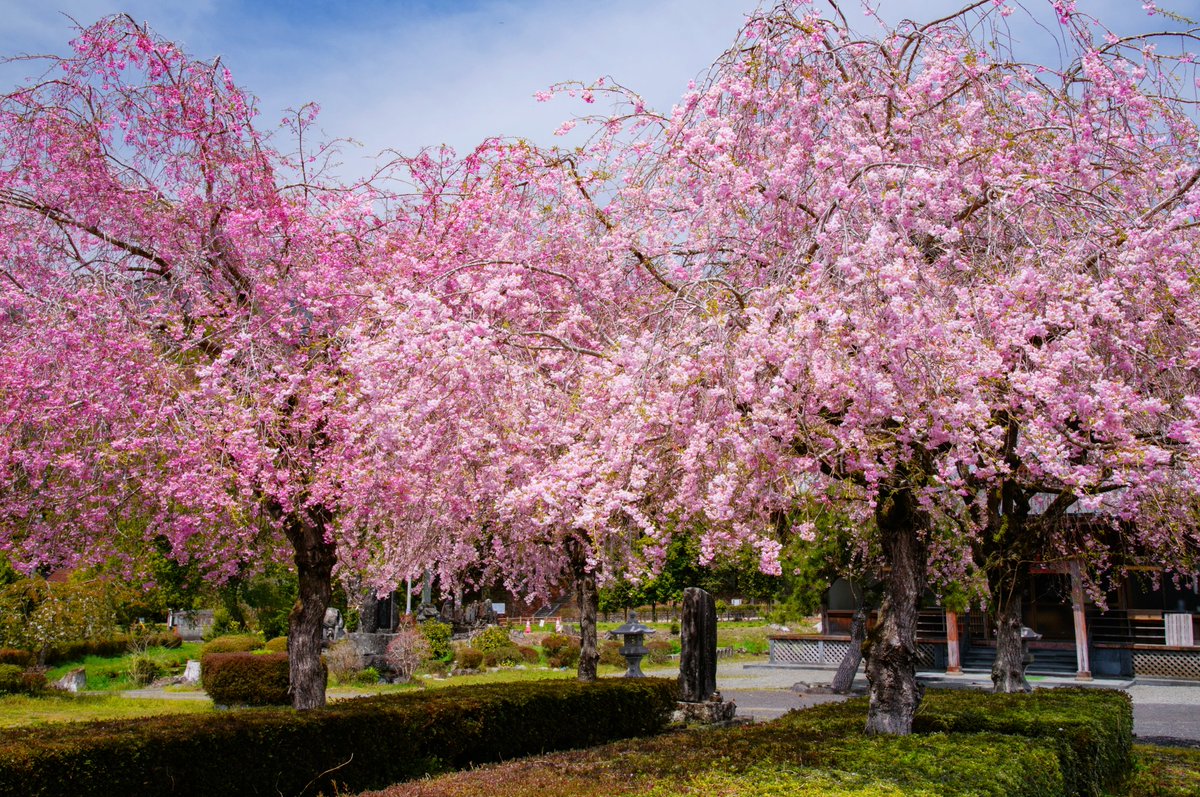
x,y
1150,629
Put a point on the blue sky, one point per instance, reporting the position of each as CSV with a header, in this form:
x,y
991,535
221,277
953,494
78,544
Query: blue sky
x,y
410,73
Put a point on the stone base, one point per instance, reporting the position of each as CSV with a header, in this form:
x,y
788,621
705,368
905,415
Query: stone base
x,y
713,711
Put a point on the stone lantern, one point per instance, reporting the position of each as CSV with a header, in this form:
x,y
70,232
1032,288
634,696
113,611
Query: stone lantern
x,y
634,648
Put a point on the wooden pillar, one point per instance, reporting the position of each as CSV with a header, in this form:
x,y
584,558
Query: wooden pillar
x,y
953,661
1081,636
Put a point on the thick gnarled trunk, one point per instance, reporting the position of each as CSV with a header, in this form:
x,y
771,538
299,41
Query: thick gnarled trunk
x,y
892,655
587,596
1008,668
314,557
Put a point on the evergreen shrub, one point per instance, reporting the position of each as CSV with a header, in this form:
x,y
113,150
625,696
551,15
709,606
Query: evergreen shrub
x,y
21,658
233,643
493,637
469,658
246,679
348,746
10,679
561,650
438,634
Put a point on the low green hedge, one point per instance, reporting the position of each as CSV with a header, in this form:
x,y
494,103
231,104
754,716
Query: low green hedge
x,y
233,643
816,752
246,679
356,744
21,658
115,645
1090,729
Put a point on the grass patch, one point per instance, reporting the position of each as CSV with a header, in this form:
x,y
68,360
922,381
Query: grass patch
x,y
20,711
111,673
1164,772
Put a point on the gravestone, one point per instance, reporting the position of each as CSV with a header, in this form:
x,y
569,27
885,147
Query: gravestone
x,y
698,663
698,646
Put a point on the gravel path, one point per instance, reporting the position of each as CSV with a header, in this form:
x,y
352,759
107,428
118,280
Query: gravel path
x,y
1163,712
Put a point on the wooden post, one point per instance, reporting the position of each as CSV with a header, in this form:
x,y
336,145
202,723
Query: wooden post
x,y
1081,637
953,661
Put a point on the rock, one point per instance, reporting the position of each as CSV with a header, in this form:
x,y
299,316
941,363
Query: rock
x,y
191,672
713,711
74,681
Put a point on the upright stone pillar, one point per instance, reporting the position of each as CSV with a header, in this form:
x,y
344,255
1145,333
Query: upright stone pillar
x,y
698,646
701,702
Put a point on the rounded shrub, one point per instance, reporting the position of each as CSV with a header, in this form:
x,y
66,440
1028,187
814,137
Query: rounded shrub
x,y
15,679
610,654
660,651
469,658
493,637
368,676
277,644
561,650
143,670
502,657
11,682
33,682
437,634
529,654
246,679
234,643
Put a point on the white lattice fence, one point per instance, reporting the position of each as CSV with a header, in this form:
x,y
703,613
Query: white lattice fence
x,y
807,651
829,652
1167,663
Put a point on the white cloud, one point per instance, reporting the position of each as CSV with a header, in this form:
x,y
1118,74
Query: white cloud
x,y
414,73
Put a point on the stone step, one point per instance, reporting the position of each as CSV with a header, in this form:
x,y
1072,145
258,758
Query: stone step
x,y
1045,662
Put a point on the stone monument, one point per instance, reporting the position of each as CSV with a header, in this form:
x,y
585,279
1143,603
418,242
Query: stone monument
x,y
701,702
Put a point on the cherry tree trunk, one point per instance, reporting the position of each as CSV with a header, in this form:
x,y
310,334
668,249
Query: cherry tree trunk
x,y
315,557
892,655
843,679
1008,669
588,598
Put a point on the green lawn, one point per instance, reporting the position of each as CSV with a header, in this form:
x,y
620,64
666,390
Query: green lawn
x,y
21,710
112,673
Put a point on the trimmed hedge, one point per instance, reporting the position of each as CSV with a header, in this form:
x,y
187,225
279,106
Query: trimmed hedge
x,y
1091,730
823,751
21,658
246,679
357,744
232,643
